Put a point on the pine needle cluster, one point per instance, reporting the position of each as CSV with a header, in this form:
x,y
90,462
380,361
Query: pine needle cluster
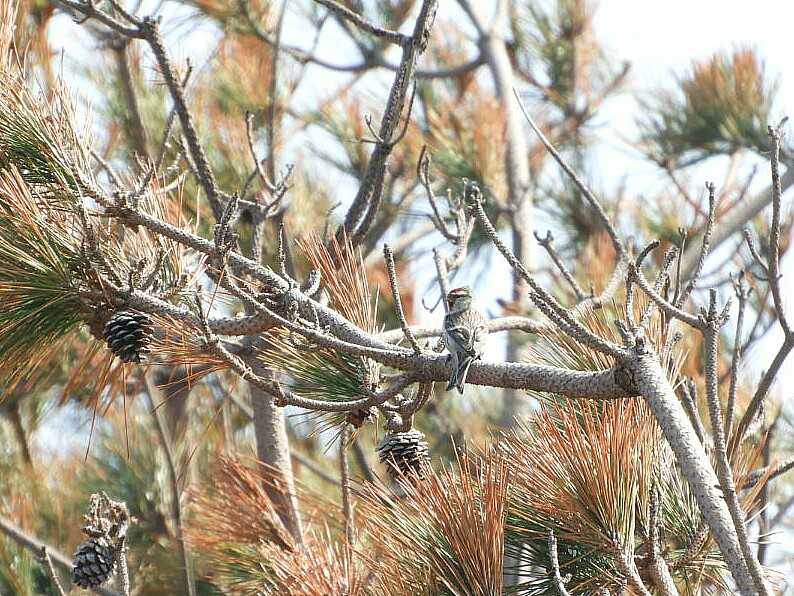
x,y
41,265
721,105
318,372
445,536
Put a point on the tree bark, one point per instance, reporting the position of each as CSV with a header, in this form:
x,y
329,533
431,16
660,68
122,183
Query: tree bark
x,y
493,48
644,374
15,418
733,223
272,449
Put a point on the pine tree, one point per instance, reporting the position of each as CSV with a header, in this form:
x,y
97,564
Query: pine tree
x,y
218,270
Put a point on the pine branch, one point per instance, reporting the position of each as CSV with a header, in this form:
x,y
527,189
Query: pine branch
x,y
34,545
713,322
347,14
363,209
644,374
173,476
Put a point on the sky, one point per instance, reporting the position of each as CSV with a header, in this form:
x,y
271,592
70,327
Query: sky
x,y
661,39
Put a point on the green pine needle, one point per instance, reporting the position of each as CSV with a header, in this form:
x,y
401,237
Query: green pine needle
x,y
723,104
316,373
38,259
38,138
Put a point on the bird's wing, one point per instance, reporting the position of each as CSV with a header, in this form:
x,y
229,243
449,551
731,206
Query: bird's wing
x,y
464,338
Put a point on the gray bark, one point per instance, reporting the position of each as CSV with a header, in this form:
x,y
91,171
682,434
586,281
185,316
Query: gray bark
x,y
734,222
272,449
645,375
494,50
517,169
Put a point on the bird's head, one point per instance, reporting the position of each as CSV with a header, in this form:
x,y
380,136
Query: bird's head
x,y
459,298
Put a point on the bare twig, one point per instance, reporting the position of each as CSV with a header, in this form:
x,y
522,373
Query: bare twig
x,y
668,308
56,581
88,10
713,323
371,60
763,494
659,571
344,475
659,283
112,174
585,190
705,246
173,476
150,28
742,293
123,570
543,300
748,237
555,566
677,292
774,230
442,274
774,472
736,220
344,12
548,244
260,170
689,391
361,213
423,172
760,393
395,292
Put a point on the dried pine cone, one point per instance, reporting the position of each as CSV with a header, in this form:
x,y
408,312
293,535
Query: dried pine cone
x,y
404,453
128,334
93,563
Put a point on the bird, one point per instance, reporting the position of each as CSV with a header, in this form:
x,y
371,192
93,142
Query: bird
x,y
464,334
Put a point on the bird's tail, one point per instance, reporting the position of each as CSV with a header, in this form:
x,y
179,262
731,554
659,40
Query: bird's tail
x,y
460,375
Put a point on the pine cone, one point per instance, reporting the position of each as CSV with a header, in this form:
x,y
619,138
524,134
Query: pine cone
x,y
404,453
128,334
93,563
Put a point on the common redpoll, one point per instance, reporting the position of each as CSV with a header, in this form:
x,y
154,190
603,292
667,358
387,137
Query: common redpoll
x,y
464,335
